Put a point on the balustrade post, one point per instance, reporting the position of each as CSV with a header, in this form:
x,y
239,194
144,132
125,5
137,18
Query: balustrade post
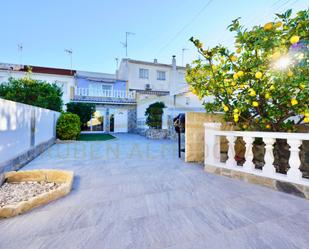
x,y
212,143
248,165
231,151
268,168
294,172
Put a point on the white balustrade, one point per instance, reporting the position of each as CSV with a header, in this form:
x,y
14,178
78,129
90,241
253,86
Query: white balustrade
x,y
95,92
294,160
231,151
268,168
294,140
248,164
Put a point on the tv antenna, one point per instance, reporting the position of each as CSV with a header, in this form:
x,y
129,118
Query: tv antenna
x,y
125,44
20,52
70,53
183,55
117,61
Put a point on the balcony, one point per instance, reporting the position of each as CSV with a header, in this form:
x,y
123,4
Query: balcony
x,y
104,96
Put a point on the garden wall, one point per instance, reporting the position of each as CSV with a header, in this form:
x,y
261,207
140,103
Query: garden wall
x,y
194,136
25,132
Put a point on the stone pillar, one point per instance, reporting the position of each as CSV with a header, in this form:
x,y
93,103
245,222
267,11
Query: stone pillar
x,y
165,119
132,120
106,121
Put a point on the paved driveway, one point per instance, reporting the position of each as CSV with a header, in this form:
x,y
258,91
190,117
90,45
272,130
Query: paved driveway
x,y
135,193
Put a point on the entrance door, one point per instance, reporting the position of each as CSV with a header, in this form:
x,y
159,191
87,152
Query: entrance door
x,y
121,120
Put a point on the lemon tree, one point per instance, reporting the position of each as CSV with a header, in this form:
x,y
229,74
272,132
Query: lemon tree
x,y
264,83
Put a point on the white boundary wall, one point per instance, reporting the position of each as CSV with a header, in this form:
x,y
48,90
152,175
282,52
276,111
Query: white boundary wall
x,y
16,136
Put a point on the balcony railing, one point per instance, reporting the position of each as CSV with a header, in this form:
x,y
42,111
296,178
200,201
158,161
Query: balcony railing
x,y
294,140
116,94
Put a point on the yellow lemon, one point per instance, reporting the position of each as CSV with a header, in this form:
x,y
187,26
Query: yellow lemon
x,y
307,114
235,76
245,126
278,24
272,87
251,92
290,73
236,110
306,120
233,58
233,83
294,102
229,91
225,107
267,126
268,26
255,103
240,73
294,39
267,96
236,117
258,75
238,50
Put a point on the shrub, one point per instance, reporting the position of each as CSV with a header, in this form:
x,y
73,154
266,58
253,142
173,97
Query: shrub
x,y
68,126
33,92
83,110
154,115
264,82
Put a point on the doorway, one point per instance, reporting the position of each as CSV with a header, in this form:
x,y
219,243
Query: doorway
x,y
96,123
111,123
121,120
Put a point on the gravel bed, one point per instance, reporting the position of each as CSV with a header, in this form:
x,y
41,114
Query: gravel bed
x,y
14,192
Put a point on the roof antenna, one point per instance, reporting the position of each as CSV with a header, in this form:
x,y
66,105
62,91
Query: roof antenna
x,y
183,55
70,53
125,44
20,52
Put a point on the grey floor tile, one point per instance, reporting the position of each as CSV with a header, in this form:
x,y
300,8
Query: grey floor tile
x,y
152,199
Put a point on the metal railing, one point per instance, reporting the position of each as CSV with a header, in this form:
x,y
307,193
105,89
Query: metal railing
x,y
91,92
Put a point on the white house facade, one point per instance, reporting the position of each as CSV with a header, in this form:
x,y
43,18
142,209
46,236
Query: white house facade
x,y
153,82
64,78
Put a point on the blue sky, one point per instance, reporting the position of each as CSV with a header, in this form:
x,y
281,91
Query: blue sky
x,y
94,29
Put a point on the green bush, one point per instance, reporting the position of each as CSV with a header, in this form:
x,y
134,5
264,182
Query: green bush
x,y
154,115
33,92
68,126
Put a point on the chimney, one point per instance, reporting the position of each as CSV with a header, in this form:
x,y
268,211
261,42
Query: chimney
x,y
155,61
174,62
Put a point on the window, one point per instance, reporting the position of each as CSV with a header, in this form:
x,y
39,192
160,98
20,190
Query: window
x,y
143,73
161,75
106,87
100,86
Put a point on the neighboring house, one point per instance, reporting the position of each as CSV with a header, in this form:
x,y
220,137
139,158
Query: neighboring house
x,y
121,99
64,78
154,82
115,106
